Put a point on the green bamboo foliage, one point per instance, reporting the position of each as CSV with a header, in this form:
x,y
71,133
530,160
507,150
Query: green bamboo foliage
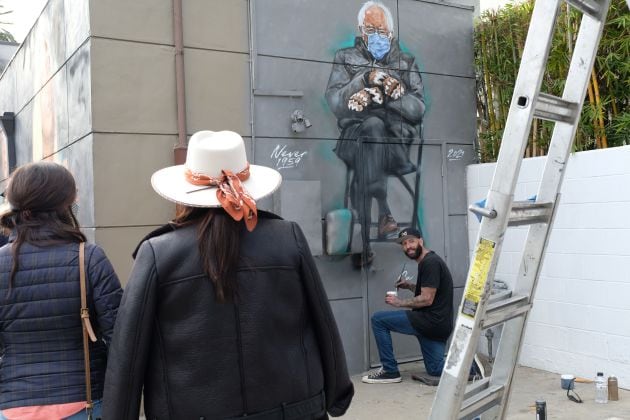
x,y
5,35
499,40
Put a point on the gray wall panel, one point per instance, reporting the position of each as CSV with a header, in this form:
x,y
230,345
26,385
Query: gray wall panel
x,y
451,110
306,159
273,113
301,202
431,206
458,250
307,29
341,280
458,156
349,316
439,37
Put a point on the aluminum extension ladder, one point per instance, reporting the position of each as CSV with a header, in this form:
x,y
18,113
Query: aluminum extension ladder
x,y
489,397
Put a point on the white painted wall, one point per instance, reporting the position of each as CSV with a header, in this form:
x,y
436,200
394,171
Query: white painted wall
x,y
580,322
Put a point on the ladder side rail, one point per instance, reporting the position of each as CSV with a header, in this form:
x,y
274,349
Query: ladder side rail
x,y
578,77
448,399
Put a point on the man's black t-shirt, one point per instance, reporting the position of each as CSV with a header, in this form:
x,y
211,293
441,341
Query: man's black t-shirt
x,y
435,321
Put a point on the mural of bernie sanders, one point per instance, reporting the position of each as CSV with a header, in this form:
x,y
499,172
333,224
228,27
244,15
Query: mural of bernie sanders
x,y
375,91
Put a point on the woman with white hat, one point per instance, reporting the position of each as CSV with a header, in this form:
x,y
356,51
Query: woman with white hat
x,y
224,315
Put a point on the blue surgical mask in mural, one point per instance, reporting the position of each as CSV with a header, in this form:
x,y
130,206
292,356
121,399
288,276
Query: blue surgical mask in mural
x,y
378,45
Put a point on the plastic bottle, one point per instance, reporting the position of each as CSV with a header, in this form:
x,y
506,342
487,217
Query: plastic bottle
x,y
601,389
613,388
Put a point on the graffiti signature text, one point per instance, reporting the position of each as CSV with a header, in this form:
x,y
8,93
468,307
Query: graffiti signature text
x,y
286,159
455,154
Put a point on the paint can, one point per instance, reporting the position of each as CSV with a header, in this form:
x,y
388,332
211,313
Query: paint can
x,y
567,381
613,389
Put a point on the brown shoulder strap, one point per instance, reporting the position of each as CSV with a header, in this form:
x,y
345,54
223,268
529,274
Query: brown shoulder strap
x,y
87,329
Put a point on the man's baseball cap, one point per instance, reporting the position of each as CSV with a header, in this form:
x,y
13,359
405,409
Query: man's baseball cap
x,y
408,232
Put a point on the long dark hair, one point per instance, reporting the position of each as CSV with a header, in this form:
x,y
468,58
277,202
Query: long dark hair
x,y
218,236
40,195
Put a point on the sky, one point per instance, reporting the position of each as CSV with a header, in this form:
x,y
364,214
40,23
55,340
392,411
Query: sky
x,y
25,12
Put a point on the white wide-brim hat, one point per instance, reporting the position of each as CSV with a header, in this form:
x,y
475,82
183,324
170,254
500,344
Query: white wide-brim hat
x,y
209,153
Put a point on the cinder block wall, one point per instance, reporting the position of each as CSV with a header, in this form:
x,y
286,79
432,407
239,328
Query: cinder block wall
x,y
580,322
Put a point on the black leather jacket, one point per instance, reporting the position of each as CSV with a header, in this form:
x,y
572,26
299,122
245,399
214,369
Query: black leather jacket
x,y
196,358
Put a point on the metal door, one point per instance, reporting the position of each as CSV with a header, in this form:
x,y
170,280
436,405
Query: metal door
x,y
296,131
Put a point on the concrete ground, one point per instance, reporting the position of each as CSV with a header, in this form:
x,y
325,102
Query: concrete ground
x,y
412,400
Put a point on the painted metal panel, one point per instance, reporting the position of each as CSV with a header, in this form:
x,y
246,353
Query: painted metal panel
x,y
307,160
301,202
451,110
439,37
304,78
458,157
312,30
341,280
431,208
294,70
458,249
349,317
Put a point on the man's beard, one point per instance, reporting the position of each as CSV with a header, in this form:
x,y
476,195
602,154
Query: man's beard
x,y
414,254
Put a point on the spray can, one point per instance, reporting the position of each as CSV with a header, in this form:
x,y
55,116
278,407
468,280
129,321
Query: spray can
x,y
541,410
613,388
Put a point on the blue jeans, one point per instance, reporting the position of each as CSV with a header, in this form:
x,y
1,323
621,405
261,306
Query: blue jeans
x,y
81,415
384,322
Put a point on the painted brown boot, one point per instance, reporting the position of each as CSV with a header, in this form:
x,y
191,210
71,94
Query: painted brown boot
x,y
386,225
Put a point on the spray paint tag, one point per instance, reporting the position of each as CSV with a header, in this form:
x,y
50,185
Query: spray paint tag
x,y
477,277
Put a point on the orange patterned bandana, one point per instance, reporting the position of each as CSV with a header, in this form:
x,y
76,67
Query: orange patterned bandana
x,y
233,197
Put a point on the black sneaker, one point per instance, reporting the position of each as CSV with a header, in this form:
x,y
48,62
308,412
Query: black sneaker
x,y
426,379
382,377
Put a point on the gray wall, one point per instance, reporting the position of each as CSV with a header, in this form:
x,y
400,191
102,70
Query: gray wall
x,y
95,90
295,44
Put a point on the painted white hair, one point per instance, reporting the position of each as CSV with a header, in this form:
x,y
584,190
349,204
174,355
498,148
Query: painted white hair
x,y
371,3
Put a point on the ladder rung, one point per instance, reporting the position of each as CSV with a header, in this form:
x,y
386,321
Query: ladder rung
x,y
476,387
481,401
552,108
589,7
506,309
528,213
504,294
